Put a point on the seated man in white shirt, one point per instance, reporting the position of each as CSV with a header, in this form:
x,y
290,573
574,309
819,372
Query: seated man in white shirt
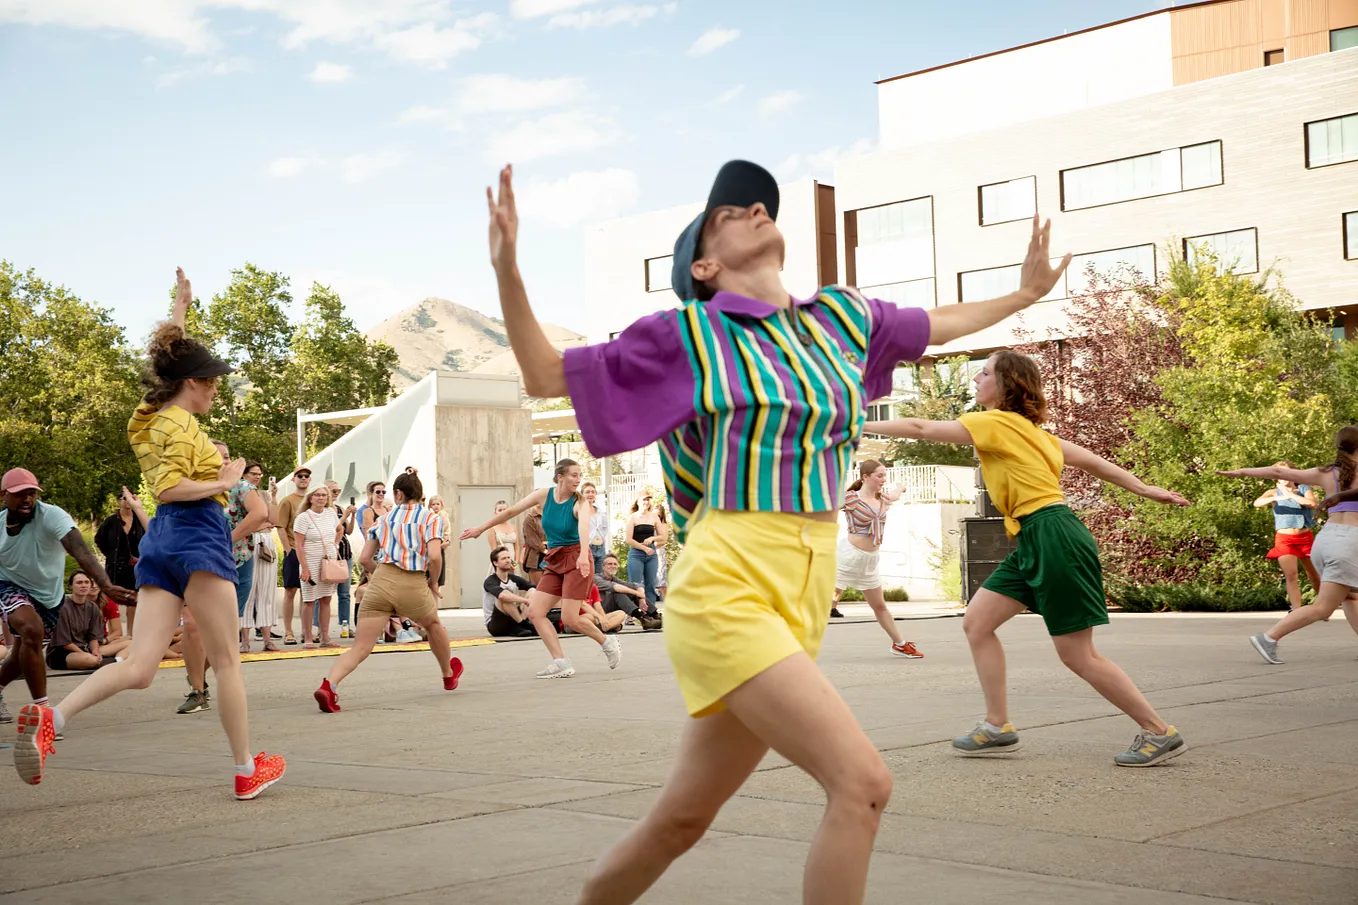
x,y
504,600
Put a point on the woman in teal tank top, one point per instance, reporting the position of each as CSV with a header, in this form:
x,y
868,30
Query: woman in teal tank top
x,y
568,567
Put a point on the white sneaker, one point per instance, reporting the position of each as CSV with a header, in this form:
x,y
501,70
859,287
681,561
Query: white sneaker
x,y
558,669
613,651
406,636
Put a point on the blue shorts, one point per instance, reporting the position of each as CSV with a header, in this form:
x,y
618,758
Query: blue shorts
x,y
245,581
184,538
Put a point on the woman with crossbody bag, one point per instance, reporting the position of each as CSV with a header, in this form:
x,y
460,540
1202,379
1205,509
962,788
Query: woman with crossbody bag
x,y
318,562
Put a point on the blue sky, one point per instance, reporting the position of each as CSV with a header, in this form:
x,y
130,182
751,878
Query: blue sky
x,y
350,141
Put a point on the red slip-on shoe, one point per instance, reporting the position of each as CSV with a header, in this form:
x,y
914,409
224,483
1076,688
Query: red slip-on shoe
x,y
269,769
327,698
37,734
450,683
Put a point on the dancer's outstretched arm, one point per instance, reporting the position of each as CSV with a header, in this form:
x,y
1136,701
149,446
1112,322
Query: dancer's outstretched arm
x,y
1101,468
1279,473
922,429
533,499
542,367
949,322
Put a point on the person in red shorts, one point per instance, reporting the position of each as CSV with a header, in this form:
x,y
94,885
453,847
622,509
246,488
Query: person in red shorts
x,y
1294,509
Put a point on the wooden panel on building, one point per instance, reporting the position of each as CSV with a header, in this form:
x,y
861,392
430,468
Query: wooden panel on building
x,y
827,249
1307,16
1299,46
1343,13
1273,23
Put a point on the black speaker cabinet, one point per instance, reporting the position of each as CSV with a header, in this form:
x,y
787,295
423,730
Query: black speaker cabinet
x,y
984,507
984,546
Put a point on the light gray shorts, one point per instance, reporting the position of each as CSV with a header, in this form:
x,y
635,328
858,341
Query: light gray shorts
x,y
1335,554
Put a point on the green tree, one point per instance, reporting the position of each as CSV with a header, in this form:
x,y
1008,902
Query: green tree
x,y
944,392
68,384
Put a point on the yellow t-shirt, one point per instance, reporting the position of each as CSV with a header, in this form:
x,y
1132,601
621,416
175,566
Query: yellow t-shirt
x,y
170,446
1020,461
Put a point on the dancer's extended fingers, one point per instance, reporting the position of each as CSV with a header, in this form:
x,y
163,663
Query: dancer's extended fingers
x,y
507,186
490,200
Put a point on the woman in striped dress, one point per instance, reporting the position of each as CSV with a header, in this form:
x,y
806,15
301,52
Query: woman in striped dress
x,y
757,401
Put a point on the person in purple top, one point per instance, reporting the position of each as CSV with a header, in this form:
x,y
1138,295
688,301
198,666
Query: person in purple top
x,y
757,400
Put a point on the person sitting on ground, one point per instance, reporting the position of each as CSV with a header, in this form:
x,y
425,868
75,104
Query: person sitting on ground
x,y
608,623
78,640
627,597
504,600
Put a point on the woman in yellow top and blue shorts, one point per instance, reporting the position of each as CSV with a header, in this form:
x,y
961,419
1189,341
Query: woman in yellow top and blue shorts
x,y
757,401
1055,570
186,555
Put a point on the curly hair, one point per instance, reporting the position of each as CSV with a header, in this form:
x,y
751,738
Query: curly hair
x,y
169,343
1020,386
1346,455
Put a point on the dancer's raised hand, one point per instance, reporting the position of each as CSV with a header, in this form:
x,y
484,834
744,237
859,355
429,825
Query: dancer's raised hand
x,y
1038,275
504,222
231,472
470,533
1161,495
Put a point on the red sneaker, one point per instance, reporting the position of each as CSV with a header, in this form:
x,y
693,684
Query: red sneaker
x,y
450,682
36,737
327,699
907,649
269,769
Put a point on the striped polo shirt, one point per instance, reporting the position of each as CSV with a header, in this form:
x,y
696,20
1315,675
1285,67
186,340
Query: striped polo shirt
x,y
170,447
756,407
404,536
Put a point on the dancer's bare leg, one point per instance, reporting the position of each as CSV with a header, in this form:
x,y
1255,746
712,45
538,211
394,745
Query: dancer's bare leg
x,y
986,612
212,600
581,625
438,642
1107,678
1289,566
539,605
1351,610
370,627
794,709
884,618
1328,599
160,612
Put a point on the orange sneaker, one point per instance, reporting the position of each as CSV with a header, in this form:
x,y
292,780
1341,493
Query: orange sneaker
x,y
36,737
906,649
269,769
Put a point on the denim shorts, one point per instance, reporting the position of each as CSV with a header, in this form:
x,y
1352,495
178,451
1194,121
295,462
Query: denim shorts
x,y
184,538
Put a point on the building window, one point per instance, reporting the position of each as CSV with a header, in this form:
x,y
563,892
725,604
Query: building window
x,y
1002,202
1162,173
658,273
909,294
1089,272
614,335
1236,251
1351,236
893,243
1344,38
1273,57
1331,141
993,282
1337,332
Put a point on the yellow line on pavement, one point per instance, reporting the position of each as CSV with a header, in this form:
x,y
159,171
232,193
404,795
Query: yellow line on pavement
x,y
301,654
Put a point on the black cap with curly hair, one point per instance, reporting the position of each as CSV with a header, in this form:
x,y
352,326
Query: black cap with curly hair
x,y
174,357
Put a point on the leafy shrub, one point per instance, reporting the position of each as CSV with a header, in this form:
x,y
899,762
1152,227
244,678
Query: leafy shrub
x,y
851,595
895,595
1197,598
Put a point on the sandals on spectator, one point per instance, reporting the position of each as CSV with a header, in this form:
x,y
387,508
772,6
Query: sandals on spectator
x,y
271,648
289,638
330,645
245,647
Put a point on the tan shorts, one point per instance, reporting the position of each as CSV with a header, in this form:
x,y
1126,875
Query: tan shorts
x,y
396,591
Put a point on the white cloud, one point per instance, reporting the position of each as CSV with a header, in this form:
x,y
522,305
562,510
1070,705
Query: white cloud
x,y
170,22
779,102
532,9
331,72
730,94
285,167
821,163
507,94
551,135
578,198
362,167
623,14
711,39
432,46
214,68
423,114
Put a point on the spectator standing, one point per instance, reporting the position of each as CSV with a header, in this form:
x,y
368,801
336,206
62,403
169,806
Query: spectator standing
x,y
261,607
288,510
598,527
78,641
346,517
645,536
534,543
119,540
246,513
504,535
436,507
375,509
662,572
315,537
504,601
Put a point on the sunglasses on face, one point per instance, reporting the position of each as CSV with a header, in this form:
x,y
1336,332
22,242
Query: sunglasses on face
x,y
379,493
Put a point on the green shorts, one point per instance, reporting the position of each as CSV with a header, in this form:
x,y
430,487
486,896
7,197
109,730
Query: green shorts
x,y
1055,571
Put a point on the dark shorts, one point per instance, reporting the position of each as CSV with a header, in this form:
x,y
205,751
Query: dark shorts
x,y
501,626
184,538
1055,571
12,596
56,657
292,571
561,577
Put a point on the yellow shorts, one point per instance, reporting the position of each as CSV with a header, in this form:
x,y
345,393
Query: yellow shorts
x,y
750,590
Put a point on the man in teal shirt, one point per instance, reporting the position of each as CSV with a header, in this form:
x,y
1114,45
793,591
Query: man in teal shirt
x,y
33,550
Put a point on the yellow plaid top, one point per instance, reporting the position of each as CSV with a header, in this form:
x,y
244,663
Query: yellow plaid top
x,y
170,446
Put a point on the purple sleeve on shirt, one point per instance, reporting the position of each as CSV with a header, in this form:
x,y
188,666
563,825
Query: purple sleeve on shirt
x,y
898,334
633,390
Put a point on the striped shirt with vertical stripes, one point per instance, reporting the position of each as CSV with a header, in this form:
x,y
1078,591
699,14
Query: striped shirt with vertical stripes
x,y
756,407
404,535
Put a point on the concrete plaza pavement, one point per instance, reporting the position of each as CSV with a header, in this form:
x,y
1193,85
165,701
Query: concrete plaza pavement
x,y
506,790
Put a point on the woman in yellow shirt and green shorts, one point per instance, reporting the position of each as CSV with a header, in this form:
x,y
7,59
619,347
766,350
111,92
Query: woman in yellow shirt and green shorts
x,y
1055,571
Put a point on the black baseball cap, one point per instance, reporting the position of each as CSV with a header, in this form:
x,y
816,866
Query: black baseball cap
x,y
739,183
197,364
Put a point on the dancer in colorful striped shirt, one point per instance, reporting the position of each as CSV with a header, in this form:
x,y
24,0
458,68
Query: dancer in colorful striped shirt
x,y
757,400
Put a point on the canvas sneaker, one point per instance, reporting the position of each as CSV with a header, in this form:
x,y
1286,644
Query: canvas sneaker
x,y
986,739
557,669
194,701
269,769
1147,750
36,736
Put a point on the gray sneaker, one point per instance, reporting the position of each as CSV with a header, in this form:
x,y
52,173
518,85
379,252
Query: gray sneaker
x,y
194,701
984,740
1267,648
558,669
5,715
1148,750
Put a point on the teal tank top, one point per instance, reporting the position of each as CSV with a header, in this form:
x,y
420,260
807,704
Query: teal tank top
x,y
559,522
